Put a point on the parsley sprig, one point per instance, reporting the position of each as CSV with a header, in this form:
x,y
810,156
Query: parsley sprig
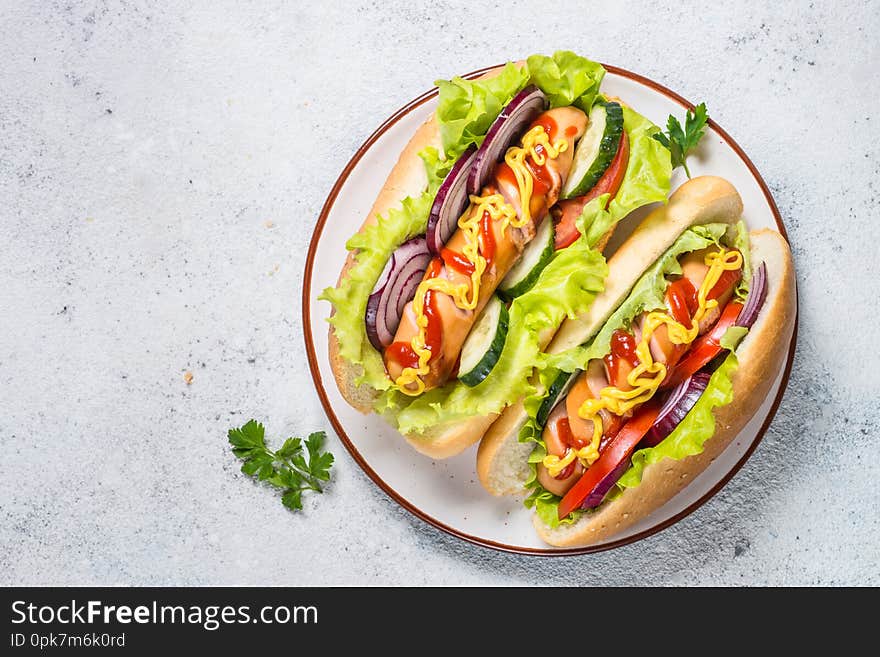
x,y
681,141
287,468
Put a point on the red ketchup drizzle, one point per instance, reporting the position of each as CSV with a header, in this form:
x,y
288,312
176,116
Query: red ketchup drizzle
x,y
457,261
682,300
623,347
563,428
487,239
550,126
690,294
543,178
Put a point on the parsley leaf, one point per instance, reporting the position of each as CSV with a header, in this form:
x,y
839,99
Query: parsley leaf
x,y
681,141
287,468
318,462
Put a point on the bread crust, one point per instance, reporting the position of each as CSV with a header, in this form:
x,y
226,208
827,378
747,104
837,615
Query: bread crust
x,y
501,462
698,201
760,356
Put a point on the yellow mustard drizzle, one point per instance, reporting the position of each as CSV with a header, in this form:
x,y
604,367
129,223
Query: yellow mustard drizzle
x,y
515,158
463,295
469,223
647,376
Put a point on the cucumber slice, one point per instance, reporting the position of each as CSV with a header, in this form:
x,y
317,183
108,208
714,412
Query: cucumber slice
x,y
484,343
535,257
556,392
595,150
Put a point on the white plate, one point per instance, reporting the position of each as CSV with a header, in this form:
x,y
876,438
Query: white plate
x,y
447,493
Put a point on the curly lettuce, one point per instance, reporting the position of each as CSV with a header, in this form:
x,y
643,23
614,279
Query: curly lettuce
x,y
566,78
741,242
466,108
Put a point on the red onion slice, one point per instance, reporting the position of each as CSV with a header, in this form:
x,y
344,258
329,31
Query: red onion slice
x,y
396,286
411,281
757,295
377,331
595,498
450,202
679,403
411,274
507,129
615,459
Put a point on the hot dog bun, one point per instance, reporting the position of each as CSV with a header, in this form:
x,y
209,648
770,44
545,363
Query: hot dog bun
x,y
760,355
501,466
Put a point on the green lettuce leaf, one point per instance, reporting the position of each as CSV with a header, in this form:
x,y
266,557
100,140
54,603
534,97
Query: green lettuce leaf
x,y
435,166
546,506
466,108
732,337
374,246
693,431
741,242
566,78
531,430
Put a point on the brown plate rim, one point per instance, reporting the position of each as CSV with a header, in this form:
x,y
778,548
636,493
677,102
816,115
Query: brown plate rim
x,y
406,504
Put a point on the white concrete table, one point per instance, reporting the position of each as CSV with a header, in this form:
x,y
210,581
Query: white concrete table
x,y
161,170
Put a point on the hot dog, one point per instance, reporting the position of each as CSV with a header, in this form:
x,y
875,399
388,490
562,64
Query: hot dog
x,y
563,126
430,322
636,382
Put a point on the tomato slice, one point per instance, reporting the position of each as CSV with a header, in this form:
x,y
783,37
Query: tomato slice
x,y
727,281
611,180
704,348
610,465
566,228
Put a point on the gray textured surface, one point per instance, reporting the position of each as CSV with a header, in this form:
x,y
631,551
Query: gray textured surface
x,y
143,148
